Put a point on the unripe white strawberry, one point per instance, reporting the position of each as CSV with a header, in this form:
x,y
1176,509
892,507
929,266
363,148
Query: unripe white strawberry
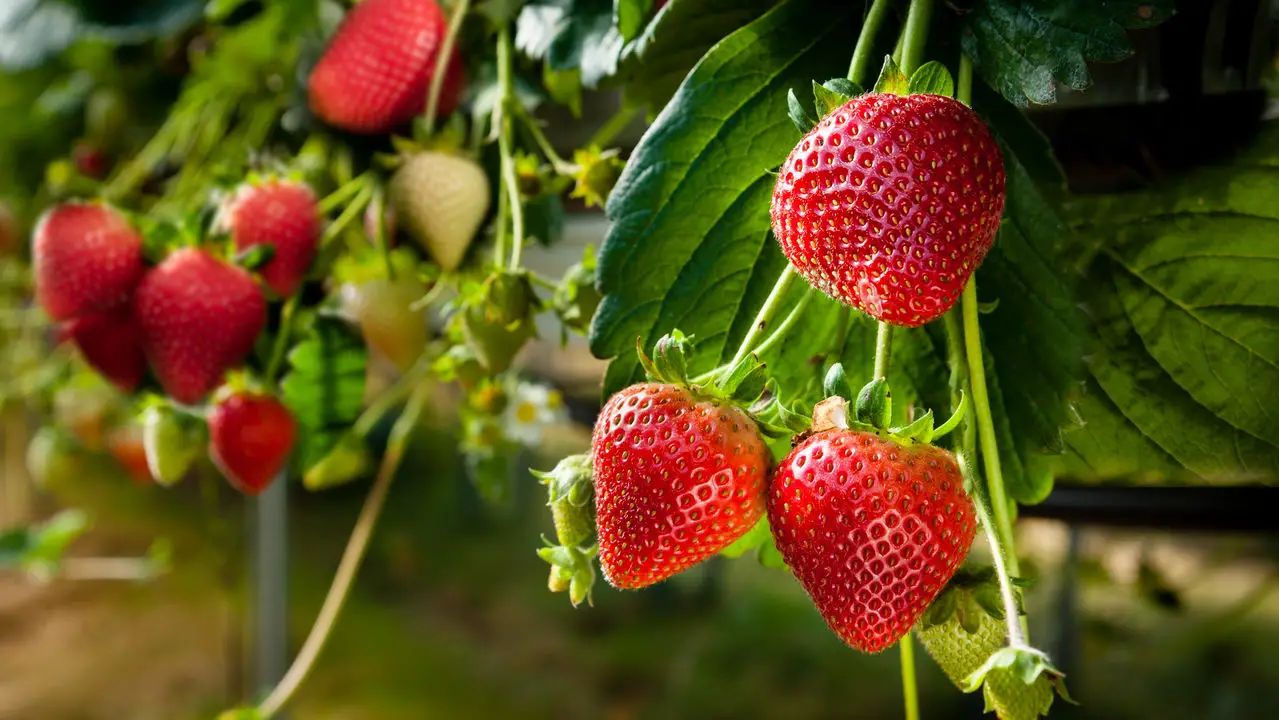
x,y
440,199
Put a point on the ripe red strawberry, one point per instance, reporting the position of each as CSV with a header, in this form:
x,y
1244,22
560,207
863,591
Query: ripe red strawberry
x,y
374,75
250,438
890,203
111,342
279,213
86,258
677,479
90,160
199,317
872,529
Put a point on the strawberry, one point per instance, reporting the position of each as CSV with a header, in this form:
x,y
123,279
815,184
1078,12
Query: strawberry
x,y
383,310
374,75
90,160
677,479
250,438
125,445
111,342
199,317
284,215
440,200
86,258
890,203
960,653
872,528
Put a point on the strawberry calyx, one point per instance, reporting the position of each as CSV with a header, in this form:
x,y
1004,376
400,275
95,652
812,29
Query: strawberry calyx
x,y
1021,663
744,384
872,410
930,78
509,297
973,593
570,495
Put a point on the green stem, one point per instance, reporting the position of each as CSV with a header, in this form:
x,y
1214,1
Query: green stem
x,y
562,166
500,229
985,420
960,375
348,215
786,325
883,349
910,692
442,63
379,232
507,86
860,65
619,121
287,315
765,314
352,557
342,194
964,87
916,35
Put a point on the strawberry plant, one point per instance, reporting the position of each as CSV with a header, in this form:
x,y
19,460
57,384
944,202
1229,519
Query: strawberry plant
x,y
852,315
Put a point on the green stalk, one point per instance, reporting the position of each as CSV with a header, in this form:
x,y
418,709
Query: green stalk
x,y
957,342
860,65
787,324
348,215
442,63
915,34
352,557
348,190
614,125
910,693
282,339
379,233
765,314
985,420
510,180
562,166
883,349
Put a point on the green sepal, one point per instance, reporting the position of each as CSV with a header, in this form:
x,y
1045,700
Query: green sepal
x,y
953,421
942,610
348,460
892,79
669,363
874,405
826,99
774,418
244,713
254,257
757,540
920,431
572,569
845,87
932,78
798,113
744,382
1024,663
837,383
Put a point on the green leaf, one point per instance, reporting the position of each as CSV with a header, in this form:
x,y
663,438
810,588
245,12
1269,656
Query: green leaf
x,y
690,243
324,387
39,547
34,31
932,78
655,64
630,15
571,34
564,87
1033,337
1184,294
1021,46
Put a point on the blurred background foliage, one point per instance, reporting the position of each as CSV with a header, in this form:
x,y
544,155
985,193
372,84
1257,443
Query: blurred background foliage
x,y
451,618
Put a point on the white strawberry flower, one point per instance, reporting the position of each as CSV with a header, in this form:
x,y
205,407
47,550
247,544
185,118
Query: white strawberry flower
x,y
532,408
